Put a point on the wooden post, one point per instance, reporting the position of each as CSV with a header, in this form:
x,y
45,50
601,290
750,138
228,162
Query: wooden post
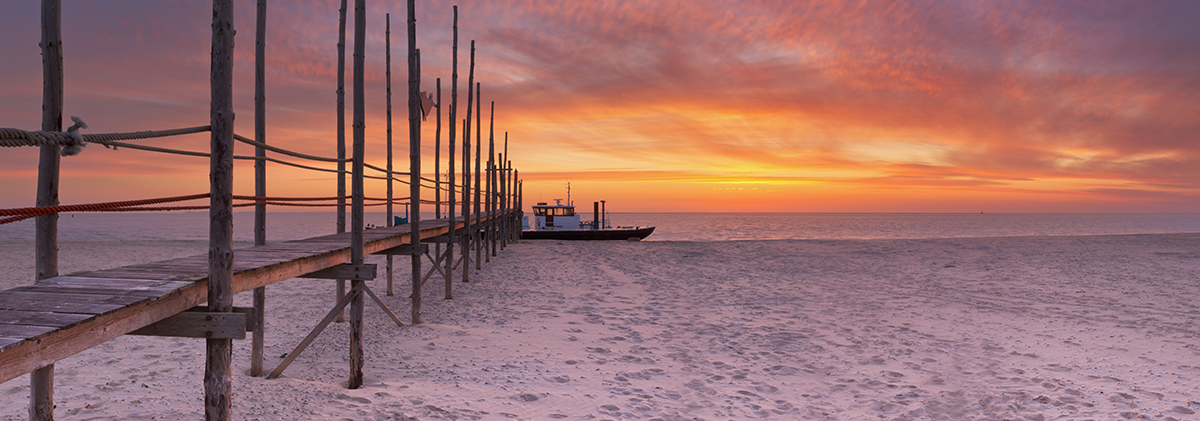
x,y
437,157
414,155
490,245
437,164
466,194
478,158
515,218
356,211
506,190
341,142
218,370
450,144
41,381
502,227
519,188
260,181
388,64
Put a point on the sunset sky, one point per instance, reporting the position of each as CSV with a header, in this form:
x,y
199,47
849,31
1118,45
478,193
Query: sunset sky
x,y
657,106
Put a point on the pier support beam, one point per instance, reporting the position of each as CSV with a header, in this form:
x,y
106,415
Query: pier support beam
x,y
341,142
41,381
388,64
414,154
218,370
450,145
260,181
356,217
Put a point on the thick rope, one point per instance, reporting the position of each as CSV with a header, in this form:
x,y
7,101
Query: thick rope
x,y
73,143
46,210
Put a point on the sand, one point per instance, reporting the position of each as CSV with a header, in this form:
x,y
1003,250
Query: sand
x,y
1097,327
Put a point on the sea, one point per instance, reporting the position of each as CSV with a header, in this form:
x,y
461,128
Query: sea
x,y
283,226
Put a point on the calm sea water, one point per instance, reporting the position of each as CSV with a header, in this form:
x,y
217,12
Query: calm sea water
x,y
670,226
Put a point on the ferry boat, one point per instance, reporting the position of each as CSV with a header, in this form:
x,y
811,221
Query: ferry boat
x,y
560,222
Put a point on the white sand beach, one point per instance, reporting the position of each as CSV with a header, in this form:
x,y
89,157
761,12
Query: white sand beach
x,y
1022,328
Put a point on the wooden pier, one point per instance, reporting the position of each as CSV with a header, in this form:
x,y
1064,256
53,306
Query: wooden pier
x,y
62,316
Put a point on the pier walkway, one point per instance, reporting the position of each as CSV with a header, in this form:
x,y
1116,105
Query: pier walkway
x,y
62,316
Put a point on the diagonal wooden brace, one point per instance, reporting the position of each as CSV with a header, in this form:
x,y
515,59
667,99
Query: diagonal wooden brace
x,y
337,309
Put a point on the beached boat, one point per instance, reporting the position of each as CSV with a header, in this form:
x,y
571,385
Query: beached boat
x,y
560,222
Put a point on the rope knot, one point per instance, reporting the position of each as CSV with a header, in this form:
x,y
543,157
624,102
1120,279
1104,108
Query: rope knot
x,y
76,143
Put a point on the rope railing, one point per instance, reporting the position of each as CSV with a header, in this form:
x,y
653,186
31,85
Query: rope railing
x,y
73,142
19,214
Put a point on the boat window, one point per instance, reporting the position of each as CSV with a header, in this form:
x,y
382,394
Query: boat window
x,y
553,211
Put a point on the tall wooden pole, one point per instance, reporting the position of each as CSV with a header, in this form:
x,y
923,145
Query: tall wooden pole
x,y
437,157
451,140
260,180
502,227
41,381
478,158
489,245
414,155
466,192
356,210
218,370
506,192
437,165
388,64
341,142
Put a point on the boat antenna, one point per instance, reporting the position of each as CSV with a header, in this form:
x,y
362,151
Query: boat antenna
x,y
569,194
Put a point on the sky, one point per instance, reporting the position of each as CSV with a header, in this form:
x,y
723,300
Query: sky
x,y
664,106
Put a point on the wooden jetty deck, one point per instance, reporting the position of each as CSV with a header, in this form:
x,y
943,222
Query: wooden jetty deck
x,y
65,315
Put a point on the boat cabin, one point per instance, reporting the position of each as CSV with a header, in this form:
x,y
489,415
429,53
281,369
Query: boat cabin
x,y
554,217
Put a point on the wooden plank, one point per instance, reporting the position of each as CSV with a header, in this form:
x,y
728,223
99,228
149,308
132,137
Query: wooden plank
x,y
195,324
362,272
79,289
405,250
124,283
24,331
60,307
15,295
41,318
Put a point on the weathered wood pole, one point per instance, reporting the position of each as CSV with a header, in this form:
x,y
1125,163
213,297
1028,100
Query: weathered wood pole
x,y
520,198
506,192
503,179
437,158
468,228
478,157
218,370
490,245
41,381
341,142
388,64
450,144
515,218
356,210
502,227
260,180
414,155
437,165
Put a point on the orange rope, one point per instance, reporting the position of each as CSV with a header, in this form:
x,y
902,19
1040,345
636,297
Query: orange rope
x,y
93,207
19,214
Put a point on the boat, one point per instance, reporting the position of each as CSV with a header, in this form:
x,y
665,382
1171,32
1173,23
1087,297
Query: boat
x,y
560,222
